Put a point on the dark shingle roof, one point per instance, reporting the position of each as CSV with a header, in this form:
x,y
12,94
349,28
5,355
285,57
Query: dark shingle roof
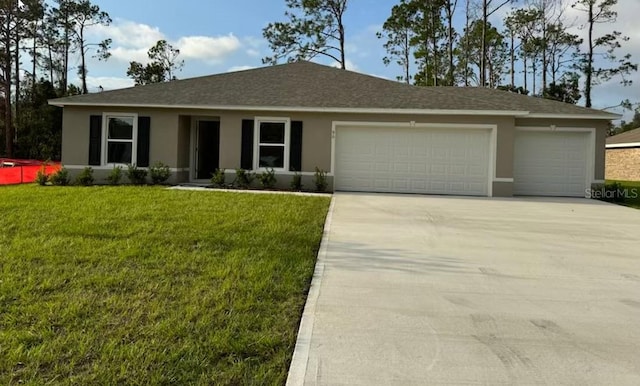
x,y
309,85
631,136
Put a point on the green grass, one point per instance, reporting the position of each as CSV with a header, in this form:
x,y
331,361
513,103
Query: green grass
x,y
633,192
142,285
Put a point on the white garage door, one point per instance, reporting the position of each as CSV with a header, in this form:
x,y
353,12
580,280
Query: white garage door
x,y
413,160
551,163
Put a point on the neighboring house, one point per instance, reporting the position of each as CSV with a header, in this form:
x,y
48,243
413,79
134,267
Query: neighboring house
x,y
623,156
369,134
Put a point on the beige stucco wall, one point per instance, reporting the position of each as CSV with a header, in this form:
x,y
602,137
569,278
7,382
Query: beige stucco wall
x,y
184,141
623,164
601,135
75,134
171,136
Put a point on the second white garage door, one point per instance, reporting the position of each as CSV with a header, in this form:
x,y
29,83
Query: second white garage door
x,y
413,160
548,163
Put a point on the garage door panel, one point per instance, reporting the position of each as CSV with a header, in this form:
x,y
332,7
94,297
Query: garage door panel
x,y
551,163
413,160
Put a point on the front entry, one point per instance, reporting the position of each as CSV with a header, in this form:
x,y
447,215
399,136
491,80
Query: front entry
x,y
207,148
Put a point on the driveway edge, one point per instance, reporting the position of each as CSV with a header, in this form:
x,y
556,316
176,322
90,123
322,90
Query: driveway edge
x,y
298,367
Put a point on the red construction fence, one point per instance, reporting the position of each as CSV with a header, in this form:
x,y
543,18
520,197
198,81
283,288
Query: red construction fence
x,y
22,171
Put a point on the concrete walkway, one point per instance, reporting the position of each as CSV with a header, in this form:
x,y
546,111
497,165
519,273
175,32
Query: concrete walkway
x,y
415,290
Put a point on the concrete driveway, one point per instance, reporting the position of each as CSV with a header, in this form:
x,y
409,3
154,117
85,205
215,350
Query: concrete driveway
x,y
437,290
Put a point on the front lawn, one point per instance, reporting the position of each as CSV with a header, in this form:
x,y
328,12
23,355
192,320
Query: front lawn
x,y
143,285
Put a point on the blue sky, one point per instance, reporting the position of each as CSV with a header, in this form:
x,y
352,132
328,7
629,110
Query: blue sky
x,y
218,36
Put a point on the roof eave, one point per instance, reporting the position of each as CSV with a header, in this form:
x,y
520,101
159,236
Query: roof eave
x,y
510,113
602,116
300,109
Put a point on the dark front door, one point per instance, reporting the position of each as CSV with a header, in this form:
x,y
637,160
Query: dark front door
x,y
208,149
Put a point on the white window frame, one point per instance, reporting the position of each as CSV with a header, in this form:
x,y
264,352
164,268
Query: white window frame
x,y
106,140
256,141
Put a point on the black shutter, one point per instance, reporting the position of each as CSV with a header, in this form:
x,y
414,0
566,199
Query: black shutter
x,y
95,139
246,151
295,148
144,127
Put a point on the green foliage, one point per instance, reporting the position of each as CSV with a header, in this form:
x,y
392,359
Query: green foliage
x,y
243,179
398,32
42,177
159,173
605,46
496,52
85,177
163,63
125,285
296,182
567,90
60,178
320,180
135,175
115,175
219,178
40,129
626,126
314,27
267,178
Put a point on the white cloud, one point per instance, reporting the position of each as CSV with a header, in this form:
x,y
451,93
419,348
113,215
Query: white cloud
x,y
351,66
253,52
129,34
132,40
207,48
240,68
129,54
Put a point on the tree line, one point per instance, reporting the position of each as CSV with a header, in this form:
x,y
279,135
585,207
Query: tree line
x,y
533,52
42,44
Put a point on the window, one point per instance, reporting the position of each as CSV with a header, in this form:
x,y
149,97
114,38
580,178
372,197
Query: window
x,y
121,132
272,137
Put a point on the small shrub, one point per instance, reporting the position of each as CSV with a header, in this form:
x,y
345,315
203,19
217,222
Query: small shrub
x,y
268,178
320,180
85,178
60,178
296,182
219,178
243,178
135,175
159,173
115,175
41,177
614,192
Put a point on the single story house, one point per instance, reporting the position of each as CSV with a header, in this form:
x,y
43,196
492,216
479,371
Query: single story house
x,y
369,134
623,156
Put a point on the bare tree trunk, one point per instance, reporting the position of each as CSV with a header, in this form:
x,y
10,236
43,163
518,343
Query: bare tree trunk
x,y
7,69
450,11
513,62
533,73
544,50
434,42
466,48
589,65
483,43
67,47
524,72
407,58
34,50
83,63
17,81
